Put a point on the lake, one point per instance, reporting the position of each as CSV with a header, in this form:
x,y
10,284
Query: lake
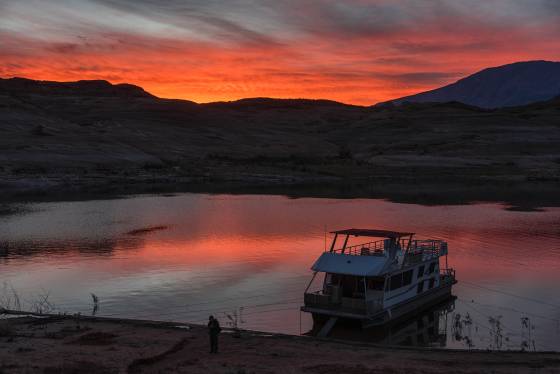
x,y
182,257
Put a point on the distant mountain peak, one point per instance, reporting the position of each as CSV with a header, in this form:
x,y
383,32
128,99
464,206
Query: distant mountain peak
x,y
515,84
95,88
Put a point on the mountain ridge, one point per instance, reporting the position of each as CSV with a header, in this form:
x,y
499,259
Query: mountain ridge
x,y
104,88
100,88
477,93
515,84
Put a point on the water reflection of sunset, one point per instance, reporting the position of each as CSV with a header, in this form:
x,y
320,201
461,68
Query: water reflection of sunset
x,y
221,252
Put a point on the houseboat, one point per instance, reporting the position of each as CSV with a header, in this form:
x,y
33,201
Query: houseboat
x,y
379,281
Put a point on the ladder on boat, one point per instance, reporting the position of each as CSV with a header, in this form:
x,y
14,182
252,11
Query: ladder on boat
x,y
327,327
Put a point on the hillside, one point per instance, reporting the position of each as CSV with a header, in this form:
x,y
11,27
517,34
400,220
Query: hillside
x,y
503,86
84,134
98,88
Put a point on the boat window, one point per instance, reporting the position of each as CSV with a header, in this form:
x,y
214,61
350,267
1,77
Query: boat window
x,y
432,267
396,281
376,284
360,286
349,285
407,278
420,271
420,287
432,281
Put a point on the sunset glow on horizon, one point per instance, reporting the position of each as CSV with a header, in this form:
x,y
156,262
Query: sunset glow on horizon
x,y
353,51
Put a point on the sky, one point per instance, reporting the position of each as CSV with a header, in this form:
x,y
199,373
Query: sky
x,y
353,51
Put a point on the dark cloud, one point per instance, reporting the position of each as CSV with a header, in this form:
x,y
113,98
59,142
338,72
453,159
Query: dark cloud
x,y
63,47
348,19
438,46
209,18
421,77
229,29
415,78
281,21
399,60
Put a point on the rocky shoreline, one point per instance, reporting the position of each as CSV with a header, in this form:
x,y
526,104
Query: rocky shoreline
x,y
514,193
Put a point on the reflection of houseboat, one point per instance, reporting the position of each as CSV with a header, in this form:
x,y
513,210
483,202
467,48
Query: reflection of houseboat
x,y
378,281
425,329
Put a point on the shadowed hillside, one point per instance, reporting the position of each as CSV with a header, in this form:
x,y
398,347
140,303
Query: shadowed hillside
x,y
71,135
99,88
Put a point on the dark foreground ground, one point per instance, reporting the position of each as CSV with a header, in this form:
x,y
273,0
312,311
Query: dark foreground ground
x,y
67,345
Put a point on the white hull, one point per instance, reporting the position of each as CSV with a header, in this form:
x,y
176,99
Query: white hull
x,y
411,306
403,309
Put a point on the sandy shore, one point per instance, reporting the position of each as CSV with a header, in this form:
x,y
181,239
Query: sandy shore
x,y
68,345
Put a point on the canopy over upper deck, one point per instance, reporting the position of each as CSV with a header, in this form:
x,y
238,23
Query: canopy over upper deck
x,y
350,265
373,233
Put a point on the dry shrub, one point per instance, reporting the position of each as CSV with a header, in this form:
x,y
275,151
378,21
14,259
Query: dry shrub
x,y
9,298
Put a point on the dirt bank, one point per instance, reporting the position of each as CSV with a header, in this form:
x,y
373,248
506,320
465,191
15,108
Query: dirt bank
x,y
68,345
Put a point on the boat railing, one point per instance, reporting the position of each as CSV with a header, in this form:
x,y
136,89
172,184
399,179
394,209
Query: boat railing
x,y
365,249
447,275
374,305
319,299
448,272
429,248
423,250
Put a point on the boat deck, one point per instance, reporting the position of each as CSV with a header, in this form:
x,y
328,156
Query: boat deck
x,y
319,304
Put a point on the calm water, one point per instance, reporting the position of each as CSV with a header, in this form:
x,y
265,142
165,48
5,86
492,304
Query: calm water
x,y
251,254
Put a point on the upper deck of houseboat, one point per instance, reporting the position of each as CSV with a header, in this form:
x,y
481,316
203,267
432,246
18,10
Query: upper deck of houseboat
x,y
395,250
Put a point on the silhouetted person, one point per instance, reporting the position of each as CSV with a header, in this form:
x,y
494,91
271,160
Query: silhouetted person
x,y
213,329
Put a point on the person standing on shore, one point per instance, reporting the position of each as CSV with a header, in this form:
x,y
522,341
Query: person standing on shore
x,y
213,330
